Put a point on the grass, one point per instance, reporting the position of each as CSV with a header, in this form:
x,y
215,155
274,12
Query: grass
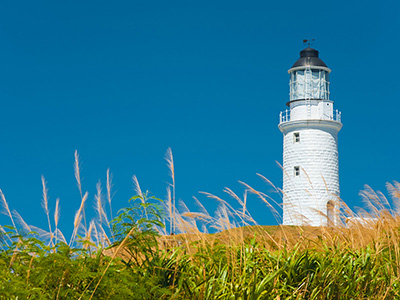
x,y
133,255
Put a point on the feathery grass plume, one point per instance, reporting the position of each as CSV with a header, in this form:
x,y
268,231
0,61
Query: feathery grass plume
x,y
43,234
77,222
233,195
201,206
207,217
224,210
56,217
397,186
222,221
269,182
196,215
88,236
261,195
245,219
98,205
169,209
6,209
78,218
188,223
242,203
139,193
60,236
394,192
185,225
277,190
209,195
136,187
79,183
97,236
21,221
77,172
346,214
264,197
109,187
81,207
105,241
203,216
170,163
375,201
4,239
45,204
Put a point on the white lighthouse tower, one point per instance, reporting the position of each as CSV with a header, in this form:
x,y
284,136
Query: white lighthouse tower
x,y
310,137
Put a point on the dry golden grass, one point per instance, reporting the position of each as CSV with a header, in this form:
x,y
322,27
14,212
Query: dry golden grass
x,y
377,225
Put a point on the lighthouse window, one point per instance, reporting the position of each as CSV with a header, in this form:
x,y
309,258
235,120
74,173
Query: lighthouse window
x,y
296,137
297,171
315,74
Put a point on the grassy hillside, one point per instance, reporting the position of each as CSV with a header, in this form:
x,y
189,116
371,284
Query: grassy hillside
x,y
133,256
243,263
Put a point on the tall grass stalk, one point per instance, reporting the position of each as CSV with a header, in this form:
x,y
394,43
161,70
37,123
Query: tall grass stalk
x,y
109,187
45,205
78,217
56,217
6,209
170,163
79,183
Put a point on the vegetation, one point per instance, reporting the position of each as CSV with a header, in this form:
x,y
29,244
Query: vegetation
x,y
134,256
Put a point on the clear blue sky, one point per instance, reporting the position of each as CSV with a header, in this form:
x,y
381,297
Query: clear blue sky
x,y
121,81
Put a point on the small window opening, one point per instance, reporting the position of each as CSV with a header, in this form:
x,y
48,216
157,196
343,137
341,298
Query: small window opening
x,y
296,137
297,171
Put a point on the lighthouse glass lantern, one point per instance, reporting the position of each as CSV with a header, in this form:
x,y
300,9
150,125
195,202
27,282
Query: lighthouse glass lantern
x,y
310,136
309,84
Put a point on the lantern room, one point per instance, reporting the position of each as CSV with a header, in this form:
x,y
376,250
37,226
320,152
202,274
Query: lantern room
x,y
309,77
309,90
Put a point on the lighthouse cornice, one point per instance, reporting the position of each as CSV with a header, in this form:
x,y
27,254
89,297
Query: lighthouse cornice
x,y
310,124
309,67
304,100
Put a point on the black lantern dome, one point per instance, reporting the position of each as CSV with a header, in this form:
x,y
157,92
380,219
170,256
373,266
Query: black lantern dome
x,y
309,57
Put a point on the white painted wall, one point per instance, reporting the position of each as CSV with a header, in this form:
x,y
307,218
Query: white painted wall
x,y
311,109
306,196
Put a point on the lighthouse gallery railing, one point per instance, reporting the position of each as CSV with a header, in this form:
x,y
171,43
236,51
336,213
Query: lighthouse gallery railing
x,y
284,116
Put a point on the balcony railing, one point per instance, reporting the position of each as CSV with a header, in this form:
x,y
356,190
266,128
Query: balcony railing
x,y
284,116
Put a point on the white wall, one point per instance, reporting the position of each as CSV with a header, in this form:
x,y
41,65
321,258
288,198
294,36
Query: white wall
x,y
306,196
311,109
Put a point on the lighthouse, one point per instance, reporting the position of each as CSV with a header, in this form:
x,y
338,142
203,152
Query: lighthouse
x,y
310,129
